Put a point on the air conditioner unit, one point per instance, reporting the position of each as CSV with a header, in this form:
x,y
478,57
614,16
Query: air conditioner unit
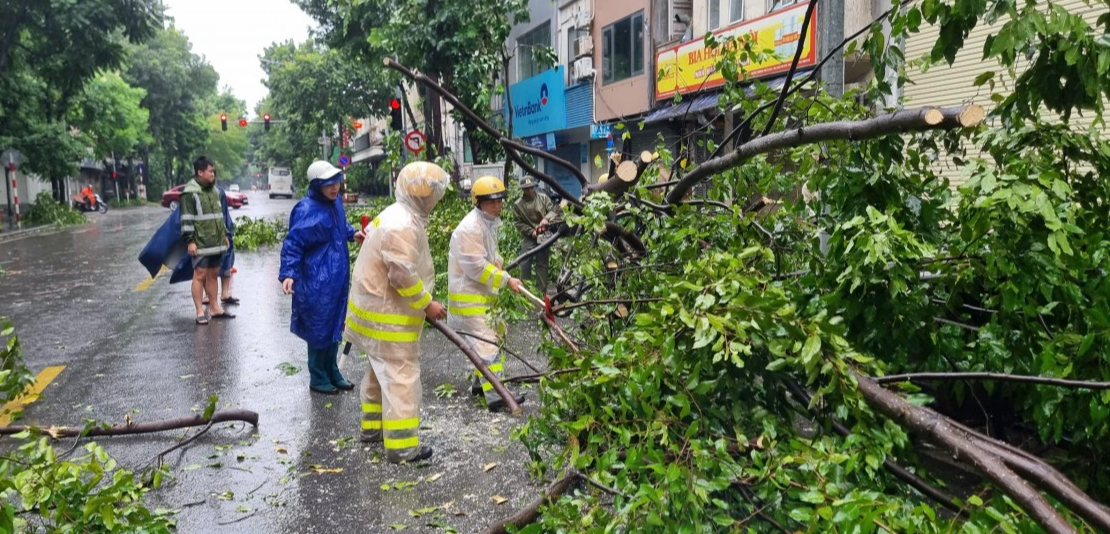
x,y
582,68
582,18
583,46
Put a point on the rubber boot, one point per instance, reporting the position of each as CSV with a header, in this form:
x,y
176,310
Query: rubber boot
x,y
334,375
318,379
496,403
422,452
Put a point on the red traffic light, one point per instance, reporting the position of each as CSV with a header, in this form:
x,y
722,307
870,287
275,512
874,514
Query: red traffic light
x,y
223,116
266,116
243,123
114,176
395,104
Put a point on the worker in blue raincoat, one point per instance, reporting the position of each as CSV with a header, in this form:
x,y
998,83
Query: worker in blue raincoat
x,y
315,269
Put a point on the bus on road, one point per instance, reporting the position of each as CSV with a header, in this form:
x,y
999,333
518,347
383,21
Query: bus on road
x,y
281,182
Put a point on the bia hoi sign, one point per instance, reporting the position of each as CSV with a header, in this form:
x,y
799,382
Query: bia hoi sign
x,y
691,66
539,104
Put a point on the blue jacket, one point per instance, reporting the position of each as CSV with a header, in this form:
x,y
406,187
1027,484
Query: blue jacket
x,y
315,256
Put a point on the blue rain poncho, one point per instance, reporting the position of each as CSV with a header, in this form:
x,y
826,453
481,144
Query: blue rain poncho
x,y
315,256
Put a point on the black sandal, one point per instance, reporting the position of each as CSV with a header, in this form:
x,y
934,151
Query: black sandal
x,y
230,300
203,319
223,315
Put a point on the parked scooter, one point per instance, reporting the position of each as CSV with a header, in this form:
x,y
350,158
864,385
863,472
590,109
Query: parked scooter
x,y
101,206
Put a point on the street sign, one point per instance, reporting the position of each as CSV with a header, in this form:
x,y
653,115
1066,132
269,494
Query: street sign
x,y
414,141
344,160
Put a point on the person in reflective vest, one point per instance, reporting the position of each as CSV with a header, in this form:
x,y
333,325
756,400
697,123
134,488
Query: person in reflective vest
x,y
391,294
474,276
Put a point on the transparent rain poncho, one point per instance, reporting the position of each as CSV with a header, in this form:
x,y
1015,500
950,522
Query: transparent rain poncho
x,y
392,283
474,277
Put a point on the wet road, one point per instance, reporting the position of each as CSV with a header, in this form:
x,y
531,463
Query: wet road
x,y
75,299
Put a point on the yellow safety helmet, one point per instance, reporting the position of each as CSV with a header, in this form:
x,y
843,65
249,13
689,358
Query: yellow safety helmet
x,y
487,188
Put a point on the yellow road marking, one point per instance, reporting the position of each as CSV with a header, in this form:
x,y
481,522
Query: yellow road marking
x,y
43,379
145,284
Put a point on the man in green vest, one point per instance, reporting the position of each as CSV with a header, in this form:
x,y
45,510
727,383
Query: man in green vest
x,y
203,229
531,215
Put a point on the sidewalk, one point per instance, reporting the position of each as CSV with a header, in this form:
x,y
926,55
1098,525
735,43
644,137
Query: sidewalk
x,y
9,233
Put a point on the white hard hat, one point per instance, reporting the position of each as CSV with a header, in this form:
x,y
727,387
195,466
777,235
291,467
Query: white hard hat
x,y
322,170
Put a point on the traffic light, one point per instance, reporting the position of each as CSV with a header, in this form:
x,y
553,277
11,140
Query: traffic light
x,y
223,121
114,175
396,122
266,121
243,123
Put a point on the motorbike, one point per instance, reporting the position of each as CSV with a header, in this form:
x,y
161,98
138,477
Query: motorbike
x,y
101,206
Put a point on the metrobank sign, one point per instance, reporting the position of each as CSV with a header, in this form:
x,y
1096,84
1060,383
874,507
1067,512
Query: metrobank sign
x,y
691,67
539,104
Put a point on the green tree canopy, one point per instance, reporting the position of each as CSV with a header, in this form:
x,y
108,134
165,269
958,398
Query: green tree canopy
x,y
110,113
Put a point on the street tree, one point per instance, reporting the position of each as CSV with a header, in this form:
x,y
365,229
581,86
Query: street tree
x,y
459,44
109,113
315,90
177,82
815,342
49,50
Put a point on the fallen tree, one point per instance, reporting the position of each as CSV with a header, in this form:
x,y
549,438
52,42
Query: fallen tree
x,y
801,277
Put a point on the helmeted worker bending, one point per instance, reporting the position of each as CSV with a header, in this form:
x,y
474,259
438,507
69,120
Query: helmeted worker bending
x,y
391,294
474,276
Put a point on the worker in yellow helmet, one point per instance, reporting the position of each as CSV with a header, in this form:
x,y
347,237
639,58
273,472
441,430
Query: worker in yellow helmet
x,y
475,275
391,294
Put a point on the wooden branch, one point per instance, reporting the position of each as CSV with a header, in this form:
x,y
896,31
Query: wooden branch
x,y
912,480
510,146
500,346
548,156
940,432
531,511
956,324
902,121
546,244
832,53
624,176
538,376
1057,485
618,232
542,176
459,342
559,332
793,68
221,416
1000,377
567,307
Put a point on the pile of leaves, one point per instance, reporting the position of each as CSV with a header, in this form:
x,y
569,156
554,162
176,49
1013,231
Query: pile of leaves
x,y
46,210
253,234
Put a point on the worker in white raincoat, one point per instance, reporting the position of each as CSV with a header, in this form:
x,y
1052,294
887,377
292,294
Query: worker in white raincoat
x,y
391,294
474,276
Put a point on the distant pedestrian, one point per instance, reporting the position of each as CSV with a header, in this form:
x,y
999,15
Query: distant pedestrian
x,y
205,234
532,214
315,269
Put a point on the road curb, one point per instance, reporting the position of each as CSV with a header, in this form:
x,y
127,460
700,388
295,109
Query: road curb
x,y
7,236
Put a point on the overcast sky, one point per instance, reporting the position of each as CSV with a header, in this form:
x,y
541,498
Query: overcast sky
x,y
231,34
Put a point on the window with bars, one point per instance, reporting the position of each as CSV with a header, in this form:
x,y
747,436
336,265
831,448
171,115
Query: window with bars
x,y
622,54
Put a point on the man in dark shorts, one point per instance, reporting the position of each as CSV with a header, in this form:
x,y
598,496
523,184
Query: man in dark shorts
x,y
204,231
